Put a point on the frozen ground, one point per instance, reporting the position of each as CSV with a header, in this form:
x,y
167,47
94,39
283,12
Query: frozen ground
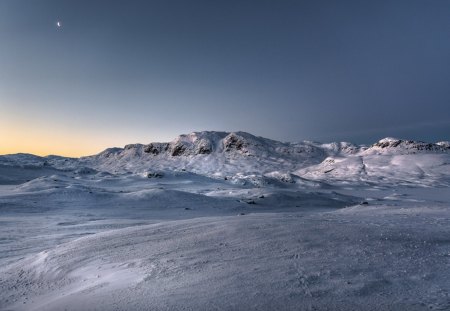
x,y
251,224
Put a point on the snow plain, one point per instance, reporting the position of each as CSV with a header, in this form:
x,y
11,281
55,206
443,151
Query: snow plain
x,y
228,221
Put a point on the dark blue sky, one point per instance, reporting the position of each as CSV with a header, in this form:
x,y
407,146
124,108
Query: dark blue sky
x,y
118,72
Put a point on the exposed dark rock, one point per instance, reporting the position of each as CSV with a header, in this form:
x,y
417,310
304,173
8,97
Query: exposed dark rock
x,y
156,148
151,149
385,144
178,150
204,150
203,146
234,142
155,175
131,146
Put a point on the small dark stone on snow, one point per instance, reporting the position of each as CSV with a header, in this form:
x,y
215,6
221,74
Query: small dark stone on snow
x,y
155,175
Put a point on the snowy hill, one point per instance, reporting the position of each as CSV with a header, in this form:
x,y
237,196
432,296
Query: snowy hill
x,y
389,161
216,154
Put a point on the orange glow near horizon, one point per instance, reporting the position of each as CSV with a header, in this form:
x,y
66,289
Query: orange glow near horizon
x,y
40,134
43,141
42,144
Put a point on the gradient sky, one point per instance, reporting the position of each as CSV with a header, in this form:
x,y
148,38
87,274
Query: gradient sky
x,y
120,72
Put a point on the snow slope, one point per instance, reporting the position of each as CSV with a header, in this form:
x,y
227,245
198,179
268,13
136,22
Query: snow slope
x,y
353,259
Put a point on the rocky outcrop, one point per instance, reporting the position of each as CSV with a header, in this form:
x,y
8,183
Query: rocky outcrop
x,y
184,145
132,146
156,148
409,145
203,146
178,149
234,142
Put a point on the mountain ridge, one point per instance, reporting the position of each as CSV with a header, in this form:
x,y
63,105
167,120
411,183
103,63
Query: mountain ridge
x,y
387,142
241,156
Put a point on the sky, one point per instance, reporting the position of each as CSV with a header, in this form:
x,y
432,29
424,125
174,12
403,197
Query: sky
x,y
119,72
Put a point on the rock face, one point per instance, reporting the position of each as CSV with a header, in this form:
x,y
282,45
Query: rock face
x,y
184,145
156,148
234,142
132,146
203,147
177,149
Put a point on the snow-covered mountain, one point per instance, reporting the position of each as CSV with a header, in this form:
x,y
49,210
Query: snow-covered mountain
x,y
242,156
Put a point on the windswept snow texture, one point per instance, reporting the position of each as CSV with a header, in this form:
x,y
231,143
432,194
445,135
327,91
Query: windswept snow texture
x,y
228,221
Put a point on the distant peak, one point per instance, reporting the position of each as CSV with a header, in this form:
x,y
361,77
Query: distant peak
x,y
389,140
401,144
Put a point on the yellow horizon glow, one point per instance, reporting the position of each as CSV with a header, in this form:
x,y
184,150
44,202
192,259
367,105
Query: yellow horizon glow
x,y
38,134
44,141
43,145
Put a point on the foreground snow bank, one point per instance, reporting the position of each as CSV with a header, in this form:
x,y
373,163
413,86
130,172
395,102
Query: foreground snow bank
x,y
364,258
